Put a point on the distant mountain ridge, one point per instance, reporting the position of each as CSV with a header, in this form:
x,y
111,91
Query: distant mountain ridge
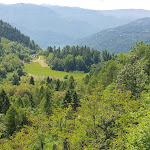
x,y
119,39
56,25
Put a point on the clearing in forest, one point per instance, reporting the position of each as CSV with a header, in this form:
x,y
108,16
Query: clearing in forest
x,y
40,68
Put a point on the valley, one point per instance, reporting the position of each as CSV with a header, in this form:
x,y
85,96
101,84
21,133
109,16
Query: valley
x,y
90,95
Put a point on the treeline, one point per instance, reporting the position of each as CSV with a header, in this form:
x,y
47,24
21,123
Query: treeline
x,y
75,58
13,34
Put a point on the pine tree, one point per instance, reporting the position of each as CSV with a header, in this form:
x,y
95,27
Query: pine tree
x,y
32,80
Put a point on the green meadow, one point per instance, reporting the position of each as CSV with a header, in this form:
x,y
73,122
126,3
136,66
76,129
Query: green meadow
x,y
37,70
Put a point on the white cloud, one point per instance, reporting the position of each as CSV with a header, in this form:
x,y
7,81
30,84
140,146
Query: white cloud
x,y
91,4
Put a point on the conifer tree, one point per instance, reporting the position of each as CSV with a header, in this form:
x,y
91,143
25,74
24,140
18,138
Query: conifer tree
x,y
71,83
57,85
15,79
12,120
4,102
48,80
32,80
46,103
67,99
19,102
75,101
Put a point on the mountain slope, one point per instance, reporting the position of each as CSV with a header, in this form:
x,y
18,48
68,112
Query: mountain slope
x,y
119,39
56,25
13,34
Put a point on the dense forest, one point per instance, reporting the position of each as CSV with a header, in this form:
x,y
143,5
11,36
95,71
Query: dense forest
x,y
13,34
76,58
107,109
119,39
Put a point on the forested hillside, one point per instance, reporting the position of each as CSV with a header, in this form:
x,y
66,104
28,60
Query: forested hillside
x,y
12,34
15,48
119,39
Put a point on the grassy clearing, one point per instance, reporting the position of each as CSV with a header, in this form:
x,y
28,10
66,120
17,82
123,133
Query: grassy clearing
x,y
37,70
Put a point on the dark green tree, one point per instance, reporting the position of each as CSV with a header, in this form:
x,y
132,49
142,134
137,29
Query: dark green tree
x,y
19,102
67,99
57,85
71,82
32,80
46,103
75,101
15,79
12,120
86,79
48,80
4,102
20,72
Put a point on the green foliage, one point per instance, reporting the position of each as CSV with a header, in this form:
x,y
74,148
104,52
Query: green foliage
x,y
57,85
71,98
75,58
4,102
15,79
108,109
108,73
66,77
10,33
12,120
47,102
71,82
32,80
11,54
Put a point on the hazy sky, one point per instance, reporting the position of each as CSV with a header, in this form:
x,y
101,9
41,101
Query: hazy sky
x,y
90,4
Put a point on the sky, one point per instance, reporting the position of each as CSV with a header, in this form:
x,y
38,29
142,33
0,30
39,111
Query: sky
x,y
90,4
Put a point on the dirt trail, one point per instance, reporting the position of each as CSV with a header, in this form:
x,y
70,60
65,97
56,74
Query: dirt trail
x,y
41,62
